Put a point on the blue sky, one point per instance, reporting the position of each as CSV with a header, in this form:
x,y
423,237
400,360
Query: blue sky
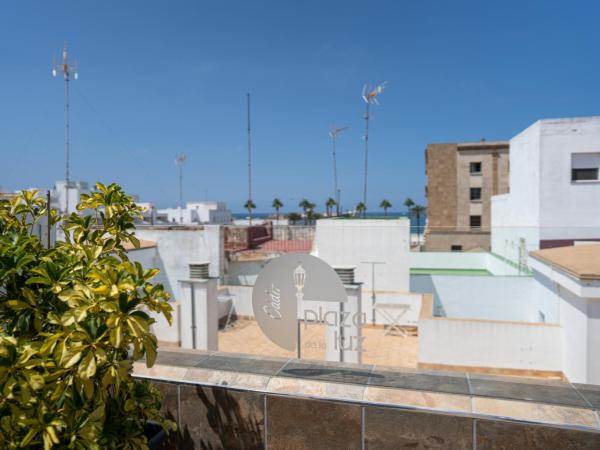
x,y
158,78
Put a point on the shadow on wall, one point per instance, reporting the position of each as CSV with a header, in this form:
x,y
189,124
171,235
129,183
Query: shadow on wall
x,y
218,420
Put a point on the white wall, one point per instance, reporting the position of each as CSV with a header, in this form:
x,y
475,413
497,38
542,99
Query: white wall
x,y
342,242
509,298
149,258
448,260
178,247
463,260
567,209
490,344
516,215
543,203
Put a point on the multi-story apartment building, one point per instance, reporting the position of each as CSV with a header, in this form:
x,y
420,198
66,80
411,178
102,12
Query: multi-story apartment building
x,y
461,179
554,197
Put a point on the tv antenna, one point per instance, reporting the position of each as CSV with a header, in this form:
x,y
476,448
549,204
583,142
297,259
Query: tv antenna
x,y
369,95
67,71
179,161
334,133
249,155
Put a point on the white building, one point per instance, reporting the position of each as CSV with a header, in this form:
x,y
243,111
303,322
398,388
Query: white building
x,y
571,277
554,196
58,195
197,213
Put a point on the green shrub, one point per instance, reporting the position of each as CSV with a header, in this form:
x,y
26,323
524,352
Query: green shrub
x,y
73,318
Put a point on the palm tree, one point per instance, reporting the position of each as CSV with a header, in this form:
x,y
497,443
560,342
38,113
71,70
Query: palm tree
x,y
277,204
306,205
385,204
250,205
361,208
329,204
418,211
409,204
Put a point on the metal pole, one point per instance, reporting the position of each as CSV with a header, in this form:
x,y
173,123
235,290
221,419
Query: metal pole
x,y
299,342
366,157
48,225
67,126
335,182
373,295
341,333
249,156
180,194
193,316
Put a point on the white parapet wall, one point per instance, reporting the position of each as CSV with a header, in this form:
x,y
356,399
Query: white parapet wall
x,y
494,264
490,344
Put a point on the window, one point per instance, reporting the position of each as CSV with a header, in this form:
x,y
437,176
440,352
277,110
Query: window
x,y
475,168
475,194
456,248
584,166
475,221
584,174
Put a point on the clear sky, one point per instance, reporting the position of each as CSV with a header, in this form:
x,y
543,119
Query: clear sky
x,y
162,77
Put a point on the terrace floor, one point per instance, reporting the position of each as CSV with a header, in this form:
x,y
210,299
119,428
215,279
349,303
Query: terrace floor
x,y
244,336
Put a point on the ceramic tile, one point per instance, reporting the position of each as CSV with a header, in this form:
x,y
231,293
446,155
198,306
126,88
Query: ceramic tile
x,y
547,392
223,378
327,372
492,435
419,399
263,366
535,412
215,418
391,429
419,380
311,424
315,388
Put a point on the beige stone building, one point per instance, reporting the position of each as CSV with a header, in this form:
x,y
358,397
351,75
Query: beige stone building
x,y
461,179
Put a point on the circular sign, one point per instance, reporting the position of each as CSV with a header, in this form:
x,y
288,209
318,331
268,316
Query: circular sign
x,y
283,285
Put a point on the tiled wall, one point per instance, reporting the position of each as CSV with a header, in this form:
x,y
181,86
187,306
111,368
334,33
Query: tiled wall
x,y
224,418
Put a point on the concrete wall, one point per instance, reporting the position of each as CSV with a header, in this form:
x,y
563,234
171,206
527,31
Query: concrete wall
x,y
463,260
483,297
580,321
352,242
150,258
568,209
502,345
543,203
178,246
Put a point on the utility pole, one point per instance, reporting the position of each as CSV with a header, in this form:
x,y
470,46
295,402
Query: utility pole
x,y
334,133
67,70
249,155
179,160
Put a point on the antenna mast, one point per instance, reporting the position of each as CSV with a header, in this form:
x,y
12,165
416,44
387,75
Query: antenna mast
x,y
334,133
66,69
369,96
179,160
249,155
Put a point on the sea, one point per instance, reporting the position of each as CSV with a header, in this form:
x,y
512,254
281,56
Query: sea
x,y
379,214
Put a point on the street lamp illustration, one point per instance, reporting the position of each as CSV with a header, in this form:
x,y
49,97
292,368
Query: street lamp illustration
x,y
299,281
369,95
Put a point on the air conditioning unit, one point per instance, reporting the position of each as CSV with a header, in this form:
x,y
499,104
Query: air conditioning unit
x,y
199,270
346,274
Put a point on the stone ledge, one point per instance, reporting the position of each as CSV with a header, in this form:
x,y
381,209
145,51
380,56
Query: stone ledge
x,y
545,403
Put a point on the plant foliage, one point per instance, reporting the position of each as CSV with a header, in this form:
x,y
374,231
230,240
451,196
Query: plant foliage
x,y
73,319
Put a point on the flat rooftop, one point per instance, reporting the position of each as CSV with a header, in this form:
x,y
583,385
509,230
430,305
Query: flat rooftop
x,y
580,261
